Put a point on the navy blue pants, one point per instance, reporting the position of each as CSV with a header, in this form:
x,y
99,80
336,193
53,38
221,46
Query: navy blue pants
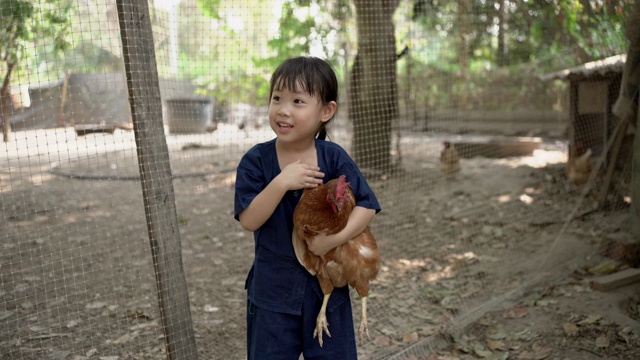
x,y
278,336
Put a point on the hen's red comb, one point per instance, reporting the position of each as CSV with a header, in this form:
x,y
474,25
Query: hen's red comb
x,y
342,185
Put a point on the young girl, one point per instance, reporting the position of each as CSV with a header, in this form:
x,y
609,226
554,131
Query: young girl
x,y
283,298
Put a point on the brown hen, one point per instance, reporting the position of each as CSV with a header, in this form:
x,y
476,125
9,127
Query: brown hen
x,y
579,165
449,160
326,209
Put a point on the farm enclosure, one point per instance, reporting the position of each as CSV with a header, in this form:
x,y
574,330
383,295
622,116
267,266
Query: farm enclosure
x,y
484,257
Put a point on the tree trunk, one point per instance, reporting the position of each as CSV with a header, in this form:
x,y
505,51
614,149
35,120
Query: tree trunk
x,y
629,91
635,182
627,109
463,51
373,89
5,103
502,58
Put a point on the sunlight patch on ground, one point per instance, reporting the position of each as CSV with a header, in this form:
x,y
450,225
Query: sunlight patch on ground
x,y
539,159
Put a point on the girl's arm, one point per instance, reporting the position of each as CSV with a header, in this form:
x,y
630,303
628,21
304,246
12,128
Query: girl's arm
x,y
262,206
294,176
358,221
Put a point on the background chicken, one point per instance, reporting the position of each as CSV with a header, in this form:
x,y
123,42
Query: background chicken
x,y
326,209
449,160
579,165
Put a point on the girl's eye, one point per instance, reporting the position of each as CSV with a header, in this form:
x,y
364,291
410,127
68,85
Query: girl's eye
x,y
275,98
298,101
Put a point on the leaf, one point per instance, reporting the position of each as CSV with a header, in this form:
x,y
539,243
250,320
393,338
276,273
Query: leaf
x,y
382,341
59,354
410,337
138,314
46,336
211,308
590,320
125,338
525,335
36,328
72,323
498,334
606,267
95,305
602,341
6,315
516,312
546,302
26,305
570,329
182,220
481,351
495,344
499,356
537,353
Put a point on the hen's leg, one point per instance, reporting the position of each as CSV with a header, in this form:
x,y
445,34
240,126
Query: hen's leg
x,y
321,322
363,328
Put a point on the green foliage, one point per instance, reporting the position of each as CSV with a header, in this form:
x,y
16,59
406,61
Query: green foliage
x,y
15,28
292,40
604,35
221,59
32,28
312,31
209,8
304,27
537,29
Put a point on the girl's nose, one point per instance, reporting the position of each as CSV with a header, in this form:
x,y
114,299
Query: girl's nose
x,y
282,111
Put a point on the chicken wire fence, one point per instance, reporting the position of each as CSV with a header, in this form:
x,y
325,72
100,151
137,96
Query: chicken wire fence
x,y
116,180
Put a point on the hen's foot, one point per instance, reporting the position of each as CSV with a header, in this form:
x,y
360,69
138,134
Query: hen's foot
x,y
363,329
321,325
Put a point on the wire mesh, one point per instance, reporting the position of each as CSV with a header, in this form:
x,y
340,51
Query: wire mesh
x,y
485,257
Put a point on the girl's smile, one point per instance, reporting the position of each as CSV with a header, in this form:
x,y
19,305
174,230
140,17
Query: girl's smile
x,y
284,128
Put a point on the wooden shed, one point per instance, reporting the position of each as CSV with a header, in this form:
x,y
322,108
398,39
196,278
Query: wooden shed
x,y
593,89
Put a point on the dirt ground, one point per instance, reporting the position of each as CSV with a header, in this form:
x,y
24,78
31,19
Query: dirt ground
x,y
480,267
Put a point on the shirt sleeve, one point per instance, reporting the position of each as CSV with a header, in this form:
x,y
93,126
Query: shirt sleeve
x,y
365,197
250,180
343,164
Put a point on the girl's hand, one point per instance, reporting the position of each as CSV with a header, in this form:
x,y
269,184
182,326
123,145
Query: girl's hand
x,y
298,175
322,244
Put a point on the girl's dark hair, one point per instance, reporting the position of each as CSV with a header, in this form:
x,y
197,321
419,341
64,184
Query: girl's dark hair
x,y
310,74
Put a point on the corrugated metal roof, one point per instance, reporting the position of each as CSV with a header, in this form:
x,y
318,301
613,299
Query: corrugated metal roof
x,y
612,64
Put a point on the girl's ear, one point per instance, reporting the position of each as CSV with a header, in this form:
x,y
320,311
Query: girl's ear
x,y
328,111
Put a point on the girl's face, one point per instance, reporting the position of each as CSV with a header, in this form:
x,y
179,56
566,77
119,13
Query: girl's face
x,y
296,115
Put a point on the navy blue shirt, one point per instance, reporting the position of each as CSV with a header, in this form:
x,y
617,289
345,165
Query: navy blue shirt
x,y
277,281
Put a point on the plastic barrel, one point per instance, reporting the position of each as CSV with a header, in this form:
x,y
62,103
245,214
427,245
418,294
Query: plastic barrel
x,y
189,115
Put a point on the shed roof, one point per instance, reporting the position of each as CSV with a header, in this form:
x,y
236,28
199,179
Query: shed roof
x,y
612,64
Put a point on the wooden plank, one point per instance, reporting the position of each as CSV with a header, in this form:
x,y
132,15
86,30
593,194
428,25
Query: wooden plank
x,y
615,280
85,129
156,180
